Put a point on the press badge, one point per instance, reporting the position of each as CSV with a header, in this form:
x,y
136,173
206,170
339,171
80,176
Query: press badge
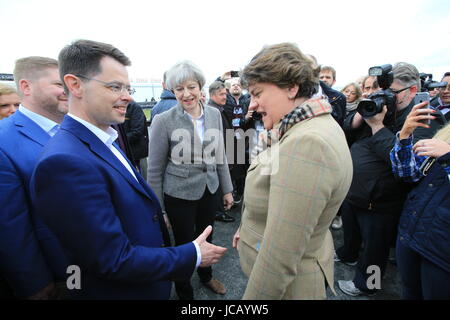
x,y
236,122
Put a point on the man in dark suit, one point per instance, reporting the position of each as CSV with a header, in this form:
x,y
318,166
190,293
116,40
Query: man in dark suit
x,y
105,215
31,259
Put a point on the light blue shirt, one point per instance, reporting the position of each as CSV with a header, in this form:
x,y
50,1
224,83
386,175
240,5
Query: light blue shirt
x,y
49,126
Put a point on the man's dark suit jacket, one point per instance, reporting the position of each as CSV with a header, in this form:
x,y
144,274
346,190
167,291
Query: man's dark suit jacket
x,y
109,223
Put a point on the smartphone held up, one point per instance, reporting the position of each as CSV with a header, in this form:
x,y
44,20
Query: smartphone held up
x,y
420,98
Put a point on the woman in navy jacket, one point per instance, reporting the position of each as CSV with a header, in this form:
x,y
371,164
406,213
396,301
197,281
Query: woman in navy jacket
x,y
423,243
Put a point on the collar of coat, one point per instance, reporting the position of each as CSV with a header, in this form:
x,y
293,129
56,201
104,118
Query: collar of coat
x,y
309,109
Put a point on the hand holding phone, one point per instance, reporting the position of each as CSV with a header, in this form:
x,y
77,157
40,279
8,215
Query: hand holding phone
x,y
419,116
420,98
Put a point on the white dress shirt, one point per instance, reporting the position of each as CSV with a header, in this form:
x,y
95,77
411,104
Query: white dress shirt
x,y
107,137
199,124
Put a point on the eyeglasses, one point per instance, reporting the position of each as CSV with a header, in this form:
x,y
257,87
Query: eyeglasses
x,y
398,91
447,88
115,87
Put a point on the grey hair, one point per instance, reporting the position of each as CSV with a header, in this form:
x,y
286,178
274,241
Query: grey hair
x,y
216,86
406,74
182,72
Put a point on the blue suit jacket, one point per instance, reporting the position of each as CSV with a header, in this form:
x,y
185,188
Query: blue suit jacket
x,y
110,224
30,255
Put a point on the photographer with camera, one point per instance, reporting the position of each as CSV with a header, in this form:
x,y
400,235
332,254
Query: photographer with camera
x,y
442,101
373,204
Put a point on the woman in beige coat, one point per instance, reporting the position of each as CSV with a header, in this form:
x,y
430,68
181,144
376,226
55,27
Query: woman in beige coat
x,y
295,187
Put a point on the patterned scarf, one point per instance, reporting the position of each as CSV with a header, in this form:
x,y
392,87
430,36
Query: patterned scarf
x,y
307,110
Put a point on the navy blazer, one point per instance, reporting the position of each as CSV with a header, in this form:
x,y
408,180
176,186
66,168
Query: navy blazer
x,y
338,102
30,255
424,224
110,224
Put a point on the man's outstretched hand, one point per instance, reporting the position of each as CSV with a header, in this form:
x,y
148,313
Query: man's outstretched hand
x,y
211,254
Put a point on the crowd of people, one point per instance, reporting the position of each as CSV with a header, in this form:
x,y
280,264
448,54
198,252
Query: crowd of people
x,y
85,183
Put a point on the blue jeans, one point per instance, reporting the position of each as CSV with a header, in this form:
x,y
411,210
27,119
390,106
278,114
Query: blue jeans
x,y
421,279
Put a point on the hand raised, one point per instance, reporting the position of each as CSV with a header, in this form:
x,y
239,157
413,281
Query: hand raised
x,y
413,120
211,254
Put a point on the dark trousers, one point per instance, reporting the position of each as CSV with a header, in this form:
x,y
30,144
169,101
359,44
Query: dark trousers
x,y
421,279
376,230
6,292
189,219
238,173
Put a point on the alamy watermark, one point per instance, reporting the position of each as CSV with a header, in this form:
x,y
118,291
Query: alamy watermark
x,y
374,280
74,279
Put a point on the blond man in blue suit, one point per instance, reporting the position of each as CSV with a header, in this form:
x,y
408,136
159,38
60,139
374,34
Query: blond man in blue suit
x,y
31,258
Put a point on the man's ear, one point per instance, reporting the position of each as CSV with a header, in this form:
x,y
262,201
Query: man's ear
x,y
25,87
413,90
74,85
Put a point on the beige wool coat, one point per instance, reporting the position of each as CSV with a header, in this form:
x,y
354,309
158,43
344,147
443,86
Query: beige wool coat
x,y
292,193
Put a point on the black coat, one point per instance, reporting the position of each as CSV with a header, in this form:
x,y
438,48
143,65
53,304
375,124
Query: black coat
x,y
374,186
136,130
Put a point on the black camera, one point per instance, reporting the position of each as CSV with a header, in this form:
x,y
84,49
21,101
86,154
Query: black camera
x,y
425,80
428,84
376,101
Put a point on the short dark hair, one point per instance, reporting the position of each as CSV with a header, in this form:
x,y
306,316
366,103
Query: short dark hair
x,y
329,68
447,74
83,57
216,86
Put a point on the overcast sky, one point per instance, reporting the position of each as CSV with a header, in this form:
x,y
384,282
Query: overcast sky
x,y
223,35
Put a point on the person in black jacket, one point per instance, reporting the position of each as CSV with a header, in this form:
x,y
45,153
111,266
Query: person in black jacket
x,y
218,98
235,109
135,126
372,207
